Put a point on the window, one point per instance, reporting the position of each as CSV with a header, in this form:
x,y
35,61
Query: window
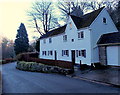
x,y
48,53
76,53
50,40
51,53
83,52
104,20
44,41
42,52
65,38
45,52
65,52
79,53
81,35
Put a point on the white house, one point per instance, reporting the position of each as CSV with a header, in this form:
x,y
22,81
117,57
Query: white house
x,y
77,41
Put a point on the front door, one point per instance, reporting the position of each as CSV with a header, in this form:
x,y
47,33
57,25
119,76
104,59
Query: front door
x,y
73,56
55,55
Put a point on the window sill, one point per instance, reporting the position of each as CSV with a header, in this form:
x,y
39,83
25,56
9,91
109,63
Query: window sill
x,y
65,56
80,38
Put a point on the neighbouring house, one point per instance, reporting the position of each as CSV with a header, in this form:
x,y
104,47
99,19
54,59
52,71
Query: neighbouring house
x,y
81,40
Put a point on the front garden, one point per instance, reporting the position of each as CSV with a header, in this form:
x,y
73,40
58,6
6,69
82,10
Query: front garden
x,y
30,62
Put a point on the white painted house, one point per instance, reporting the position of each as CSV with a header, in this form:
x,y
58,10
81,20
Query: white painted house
x,y
77,40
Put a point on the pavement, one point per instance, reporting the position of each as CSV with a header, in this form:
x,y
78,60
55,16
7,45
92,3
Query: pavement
x,y
17,81
109,76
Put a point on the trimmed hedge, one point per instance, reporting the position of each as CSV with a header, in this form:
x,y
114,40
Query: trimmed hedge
x,y
27,57
38,67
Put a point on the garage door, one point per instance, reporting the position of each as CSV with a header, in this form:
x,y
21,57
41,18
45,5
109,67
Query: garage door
x,y
112,55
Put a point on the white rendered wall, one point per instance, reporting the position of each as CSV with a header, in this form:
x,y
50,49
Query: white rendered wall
x,y
97,29
78,44
112,55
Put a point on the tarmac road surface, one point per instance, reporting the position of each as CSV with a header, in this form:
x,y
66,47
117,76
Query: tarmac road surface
x,y
17,81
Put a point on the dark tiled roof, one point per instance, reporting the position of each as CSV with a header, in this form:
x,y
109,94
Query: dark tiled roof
x,y
54,32
110,38
80,22
86,20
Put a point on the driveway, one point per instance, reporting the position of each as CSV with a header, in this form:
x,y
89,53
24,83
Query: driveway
x,y
16,81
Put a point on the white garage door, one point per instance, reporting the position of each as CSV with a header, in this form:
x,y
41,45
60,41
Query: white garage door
x,y
112,55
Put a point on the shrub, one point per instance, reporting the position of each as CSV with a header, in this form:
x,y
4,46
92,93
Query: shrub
x,y
26,56
38,67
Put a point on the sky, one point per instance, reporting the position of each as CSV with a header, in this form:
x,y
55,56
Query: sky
x,y
12,13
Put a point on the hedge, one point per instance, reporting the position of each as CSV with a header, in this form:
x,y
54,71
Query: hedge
x,y
28,57
37,67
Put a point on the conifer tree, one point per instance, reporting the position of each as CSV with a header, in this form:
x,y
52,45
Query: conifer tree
x,y
21,42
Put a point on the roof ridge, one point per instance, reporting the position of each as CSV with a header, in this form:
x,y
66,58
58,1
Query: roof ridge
x,y
90,12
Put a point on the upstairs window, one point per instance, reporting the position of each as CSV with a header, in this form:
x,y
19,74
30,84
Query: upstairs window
x,y
65,38
104,20
80,35
50,40
44,41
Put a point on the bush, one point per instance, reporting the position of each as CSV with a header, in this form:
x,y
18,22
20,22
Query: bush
x,y
38,67
26,56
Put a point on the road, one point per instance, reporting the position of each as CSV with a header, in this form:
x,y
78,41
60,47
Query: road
x,y
16,81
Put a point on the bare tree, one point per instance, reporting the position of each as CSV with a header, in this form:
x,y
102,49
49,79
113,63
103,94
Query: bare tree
x,y
68,7
42,12
109,4
7,48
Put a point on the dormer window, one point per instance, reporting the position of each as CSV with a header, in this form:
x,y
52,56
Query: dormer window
x,y
104,20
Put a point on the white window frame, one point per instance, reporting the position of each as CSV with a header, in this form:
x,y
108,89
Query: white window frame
x,y
64,38
81,35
